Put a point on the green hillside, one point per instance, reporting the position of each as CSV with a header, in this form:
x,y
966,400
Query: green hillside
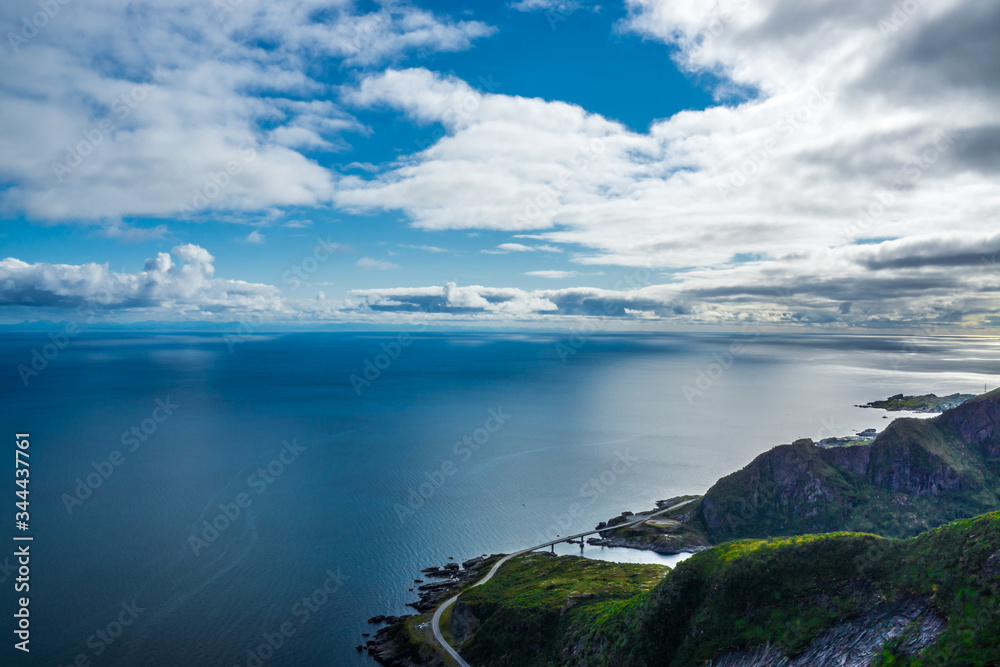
x,y
861,554
929,600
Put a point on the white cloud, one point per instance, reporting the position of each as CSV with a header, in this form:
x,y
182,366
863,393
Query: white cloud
x,y
668,198
453,299
155,110
254,237
179,284
861,123
888,285
369,264
935,279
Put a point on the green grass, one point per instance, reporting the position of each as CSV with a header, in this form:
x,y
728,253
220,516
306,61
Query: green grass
x,y
552,597
783,591
798,582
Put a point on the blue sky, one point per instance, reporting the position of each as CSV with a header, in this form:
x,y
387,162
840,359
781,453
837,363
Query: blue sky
x,y
546,162
573,55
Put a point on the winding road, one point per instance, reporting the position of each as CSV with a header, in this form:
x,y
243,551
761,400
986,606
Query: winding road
x,y
436,620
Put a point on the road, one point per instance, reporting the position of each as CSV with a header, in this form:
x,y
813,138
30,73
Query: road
x,y
436,620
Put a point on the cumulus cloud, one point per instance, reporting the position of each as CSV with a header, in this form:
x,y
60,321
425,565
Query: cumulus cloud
x,y
187,107
254,237
847,176
455,300
856,122
891,284
179,284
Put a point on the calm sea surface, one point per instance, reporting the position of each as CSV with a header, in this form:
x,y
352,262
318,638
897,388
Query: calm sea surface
x,y
235,481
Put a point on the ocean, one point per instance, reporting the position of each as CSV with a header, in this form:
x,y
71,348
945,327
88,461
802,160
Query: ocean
x,y
196,498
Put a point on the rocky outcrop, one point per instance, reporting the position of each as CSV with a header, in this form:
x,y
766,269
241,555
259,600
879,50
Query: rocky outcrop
x,y
953,459
977,422
463,622
790,488
990,572
925,403
855,643
391,647
916,474
666,545
854,459
916,457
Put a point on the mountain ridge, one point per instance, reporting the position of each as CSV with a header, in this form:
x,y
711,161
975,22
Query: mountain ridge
x,y
915,475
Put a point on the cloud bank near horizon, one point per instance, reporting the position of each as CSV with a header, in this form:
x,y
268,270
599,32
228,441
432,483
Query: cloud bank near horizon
x,y
894,284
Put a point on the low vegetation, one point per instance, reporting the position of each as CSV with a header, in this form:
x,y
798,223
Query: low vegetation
x,y
743,594
535,601
917,474
925,403
814,546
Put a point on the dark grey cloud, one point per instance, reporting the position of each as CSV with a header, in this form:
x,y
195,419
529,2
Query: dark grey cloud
x,y
793,20
958,49
978,148
930,252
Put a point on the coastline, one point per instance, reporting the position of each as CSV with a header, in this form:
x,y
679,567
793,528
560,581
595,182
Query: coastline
x,y
388,647
669,534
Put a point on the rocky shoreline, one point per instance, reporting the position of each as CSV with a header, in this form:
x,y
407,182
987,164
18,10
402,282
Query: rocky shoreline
x,y
644,545
929,403
388,647
789,488
656,535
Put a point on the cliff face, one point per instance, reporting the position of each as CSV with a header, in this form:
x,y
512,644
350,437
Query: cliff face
x,y
977,423
911,625
916,474
914,456
791,488
851,459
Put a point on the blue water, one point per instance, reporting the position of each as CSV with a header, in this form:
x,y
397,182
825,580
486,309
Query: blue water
x,y
591,426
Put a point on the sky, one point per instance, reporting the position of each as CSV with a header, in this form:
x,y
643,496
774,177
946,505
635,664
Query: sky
x,y
651,164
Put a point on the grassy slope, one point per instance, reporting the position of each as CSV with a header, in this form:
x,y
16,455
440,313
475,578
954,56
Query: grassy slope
x,y
741,594
917,474
535,601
